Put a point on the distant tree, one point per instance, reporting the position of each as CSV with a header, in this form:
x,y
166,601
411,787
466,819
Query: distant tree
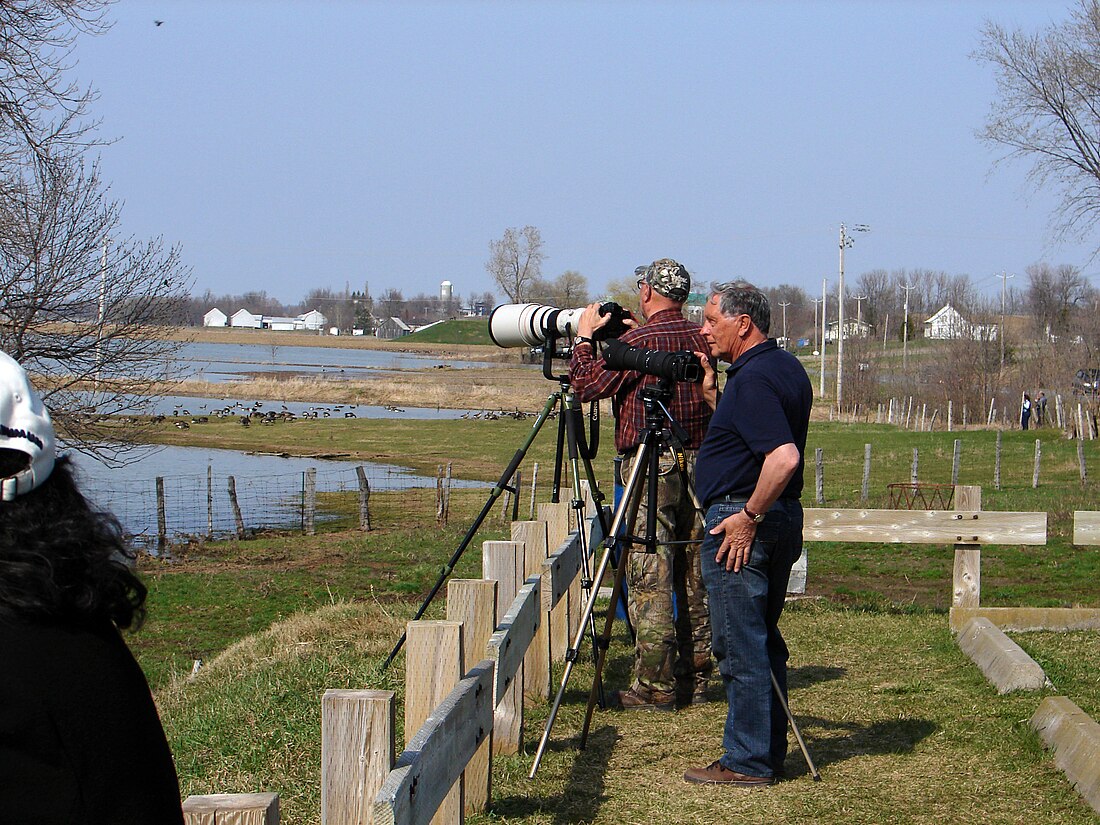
x,y
41,119
391,304
83,306
570,289
1047,109
337,307
1053,294
623,291
515,261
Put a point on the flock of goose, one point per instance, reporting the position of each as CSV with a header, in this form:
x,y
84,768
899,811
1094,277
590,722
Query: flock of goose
x,y
247,414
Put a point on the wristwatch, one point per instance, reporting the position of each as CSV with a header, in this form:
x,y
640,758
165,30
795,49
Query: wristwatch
x,y
756,517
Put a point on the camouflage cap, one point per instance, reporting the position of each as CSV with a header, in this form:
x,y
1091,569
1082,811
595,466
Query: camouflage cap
x,y
668,278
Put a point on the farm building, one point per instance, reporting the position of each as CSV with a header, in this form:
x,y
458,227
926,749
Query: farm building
x,y
215,318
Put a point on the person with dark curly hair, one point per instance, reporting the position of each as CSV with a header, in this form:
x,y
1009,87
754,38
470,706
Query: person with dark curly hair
x,y
80,739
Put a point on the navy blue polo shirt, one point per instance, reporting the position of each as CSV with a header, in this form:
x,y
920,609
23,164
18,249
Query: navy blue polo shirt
x,y
765,404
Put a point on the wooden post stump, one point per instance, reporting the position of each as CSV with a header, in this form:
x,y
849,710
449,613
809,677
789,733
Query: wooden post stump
x,y
473,602
501,562
232,809
358,732
433,666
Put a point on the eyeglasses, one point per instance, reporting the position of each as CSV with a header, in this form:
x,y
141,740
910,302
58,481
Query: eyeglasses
x,y
641,282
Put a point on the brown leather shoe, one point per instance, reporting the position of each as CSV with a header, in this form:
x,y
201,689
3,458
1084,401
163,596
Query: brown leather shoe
x,y
632,700
718,774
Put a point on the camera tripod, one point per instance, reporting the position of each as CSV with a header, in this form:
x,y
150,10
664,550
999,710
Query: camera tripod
x,y
661,430
570,439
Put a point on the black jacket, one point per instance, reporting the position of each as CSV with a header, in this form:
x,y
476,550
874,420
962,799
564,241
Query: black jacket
x,y
80,739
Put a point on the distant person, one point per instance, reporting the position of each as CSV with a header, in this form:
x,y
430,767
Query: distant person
x,y
672,661
80,740
1025,412
1040,409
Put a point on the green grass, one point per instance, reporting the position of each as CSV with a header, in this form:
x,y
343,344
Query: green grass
x,y
454,331
903,728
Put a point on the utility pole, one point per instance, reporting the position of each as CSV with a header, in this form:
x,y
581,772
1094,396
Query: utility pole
x,y
905,330
824,304
845,242
816,301
859,299
1004,282
786,341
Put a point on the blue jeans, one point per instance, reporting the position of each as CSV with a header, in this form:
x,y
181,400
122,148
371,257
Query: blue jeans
x,y
744,619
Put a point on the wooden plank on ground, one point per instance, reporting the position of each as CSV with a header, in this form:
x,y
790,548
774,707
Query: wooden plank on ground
x,y
437,754
1058,619
1086,527
925,526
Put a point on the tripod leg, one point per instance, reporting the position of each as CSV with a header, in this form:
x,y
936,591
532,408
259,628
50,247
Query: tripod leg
x,y
794,727
631,500
571,654
498,489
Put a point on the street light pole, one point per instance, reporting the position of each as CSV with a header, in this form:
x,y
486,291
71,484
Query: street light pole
x,y
824,304
845,242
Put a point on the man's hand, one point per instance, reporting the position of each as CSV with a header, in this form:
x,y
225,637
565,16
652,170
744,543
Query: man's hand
x,y
736,545
709,387
591,320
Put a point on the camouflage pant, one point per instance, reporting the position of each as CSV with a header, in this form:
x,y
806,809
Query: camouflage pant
x,y
673,646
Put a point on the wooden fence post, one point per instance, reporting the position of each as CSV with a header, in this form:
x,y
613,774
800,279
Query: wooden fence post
x,y
866,473
566,615
1038,459
968,497
310,502
501,562
364,499
236,507
819,456
997,464
956,455
162,521
235,808
433,666
967,576
536,664
358,732
473,603
913,470
950,413
1081,462
209,502
534,487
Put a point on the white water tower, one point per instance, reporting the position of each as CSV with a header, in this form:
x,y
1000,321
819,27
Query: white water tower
x,y
446,292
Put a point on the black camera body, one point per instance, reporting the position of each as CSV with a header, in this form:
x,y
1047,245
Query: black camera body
x,y
673,366
616,326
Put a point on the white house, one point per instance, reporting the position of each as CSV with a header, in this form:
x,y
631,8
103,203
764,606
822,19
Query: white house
x,y
244,318
852,329
279,322
948,323
312,320
215,318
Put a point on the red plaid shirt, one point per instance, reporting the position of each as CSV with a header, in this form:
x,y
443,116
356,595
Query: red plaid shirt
x,y
668,331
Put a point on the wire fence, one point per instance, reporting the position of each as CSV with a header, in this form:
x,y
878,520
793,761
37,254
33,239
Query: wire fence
x,y
177,509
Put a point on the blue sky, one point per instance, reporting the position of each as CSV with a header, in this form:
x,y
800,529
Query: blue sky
x,y
288,145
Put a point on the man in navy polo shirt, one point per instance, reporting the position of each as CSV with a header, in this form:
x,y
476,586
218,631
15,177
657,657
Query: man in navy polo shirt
x,y
749,478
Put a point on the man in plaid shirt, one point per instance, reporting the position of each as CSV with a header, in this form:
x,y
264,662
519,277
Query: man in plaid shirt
x,y
672,661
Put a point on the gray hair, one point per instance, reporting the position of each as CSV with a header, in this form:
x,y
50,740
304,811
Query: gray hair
x,y
742,298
